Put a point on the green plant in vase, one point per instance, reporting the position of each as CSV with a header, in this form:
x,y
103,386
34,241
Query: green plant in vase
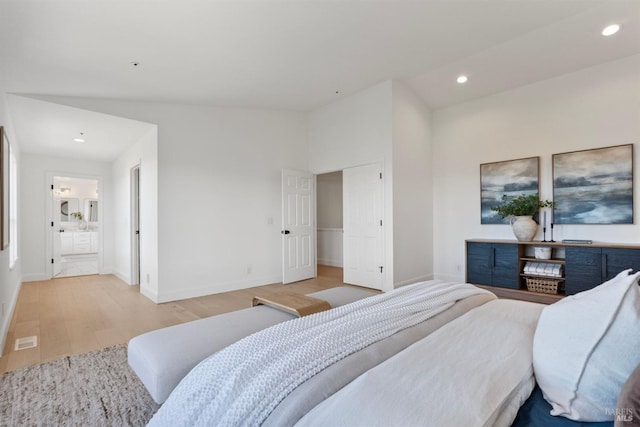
x,y
522,205
521,209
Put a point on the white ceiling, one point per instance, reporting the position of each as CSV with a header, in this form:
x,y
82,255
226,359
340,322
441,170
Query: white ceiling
x,y
297,54
49,129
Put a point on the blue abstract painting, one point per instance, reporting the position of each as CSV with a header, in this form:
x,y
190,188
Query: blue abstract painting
x,y
511,178
594,186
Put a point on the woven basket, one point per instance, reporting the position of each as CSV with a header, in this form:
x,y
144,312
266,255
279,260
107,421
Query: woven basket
x,y
546,286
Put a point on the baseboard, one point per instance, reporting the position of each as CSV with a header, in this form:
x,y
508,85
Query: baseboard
x,y
124,277
213,289
6,321
106,270
412,281
330,262
36,277
149,294
450,278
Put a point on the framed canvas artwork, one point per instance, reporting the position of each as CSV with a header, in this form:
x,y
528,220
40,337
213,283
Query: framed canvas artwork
x,y
594,186
511,178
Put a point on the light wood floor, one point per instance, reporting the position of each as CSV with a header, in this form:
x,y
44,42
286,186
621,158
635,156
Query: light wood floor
x,y
74,315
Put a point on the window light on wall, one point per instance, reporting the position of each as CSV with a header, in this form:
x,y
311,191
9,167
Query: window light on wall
x,y
13,209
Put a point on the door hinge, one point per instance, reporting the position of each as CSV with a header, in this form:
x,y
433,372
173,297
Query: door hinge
x,y
380,223
52,186
380,175
52,261
52,223
380,269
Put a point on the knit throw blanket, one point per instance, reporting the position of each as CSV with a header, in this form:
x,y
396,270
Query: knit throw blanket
x,y
242,384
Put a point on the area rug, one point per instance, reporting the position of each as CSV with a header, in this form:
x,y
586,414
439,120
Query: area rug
x,y
92,389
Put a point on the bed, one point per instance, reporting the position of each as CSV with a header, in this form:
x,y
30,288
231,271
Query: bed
x,y
433,353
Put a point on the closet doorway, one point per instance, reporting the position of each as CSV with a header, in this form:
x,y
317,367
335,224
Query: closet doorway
x,y
350,224
75,226
329,220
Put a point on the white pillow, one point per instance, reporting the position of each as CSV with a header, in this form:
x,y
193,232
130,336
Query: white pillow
x,y
586,346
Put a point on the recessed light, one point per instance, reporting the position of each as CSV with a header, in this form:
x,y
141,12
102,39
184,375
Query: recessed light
x,y
462,79
79,138
610,30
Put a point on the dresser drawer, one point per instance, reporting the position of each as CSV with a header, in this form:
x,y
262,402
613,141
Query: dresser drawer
x,y
82,248
80,238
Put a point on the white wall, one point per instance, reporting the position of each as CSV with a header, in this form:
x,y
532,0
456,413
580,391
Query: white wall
x,y
412,188
35,228
145,154
355,131
9,277
219,173
595,107
219,188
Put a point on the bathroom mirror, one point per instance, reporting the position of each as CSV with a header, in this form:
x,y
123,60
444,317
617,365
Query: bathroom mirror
x,y
91,210
67,207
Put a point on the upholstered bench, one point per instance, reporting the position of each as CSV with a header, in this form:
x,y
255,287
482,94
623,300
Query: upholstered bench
x,y
161,358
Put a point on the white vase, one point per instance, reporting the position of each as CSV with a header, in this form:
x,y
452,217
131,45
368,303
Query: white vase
x,y
524,227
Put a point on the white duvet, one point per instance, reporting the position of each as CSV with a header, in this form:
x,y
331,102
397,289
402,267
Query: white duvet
x,y
473,371
243,383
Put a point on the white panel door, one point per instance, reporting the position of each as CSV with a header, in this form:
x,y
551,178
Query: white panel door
x,y
56,239
362,222
298,226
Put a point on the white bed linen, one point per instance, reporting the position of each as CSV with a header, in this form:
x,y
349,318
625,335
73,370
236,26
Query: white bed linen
x,y
335,377
474,371
243,383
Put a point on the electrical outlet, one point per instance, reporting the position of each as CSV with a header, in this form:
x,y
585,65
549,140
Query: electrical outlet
x,y
148,278
458,268
270,220
248,270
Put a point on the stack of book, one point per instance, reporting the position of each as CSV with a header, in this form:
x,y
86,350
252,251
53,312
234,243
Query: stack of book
x,y
543,269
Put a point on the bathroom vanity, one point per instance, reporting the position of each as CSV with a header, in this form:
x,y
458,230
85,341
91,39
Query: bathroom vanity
x,y
78,242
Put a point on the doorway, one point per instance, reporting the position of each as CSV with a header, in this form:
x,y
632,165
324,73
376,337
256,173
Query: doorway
x,y
135,225
329,220
349,224
75,226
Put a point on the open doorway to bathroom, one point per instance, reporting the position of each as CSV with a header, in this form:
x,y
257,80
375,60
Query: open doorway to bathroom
x,y
75,226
